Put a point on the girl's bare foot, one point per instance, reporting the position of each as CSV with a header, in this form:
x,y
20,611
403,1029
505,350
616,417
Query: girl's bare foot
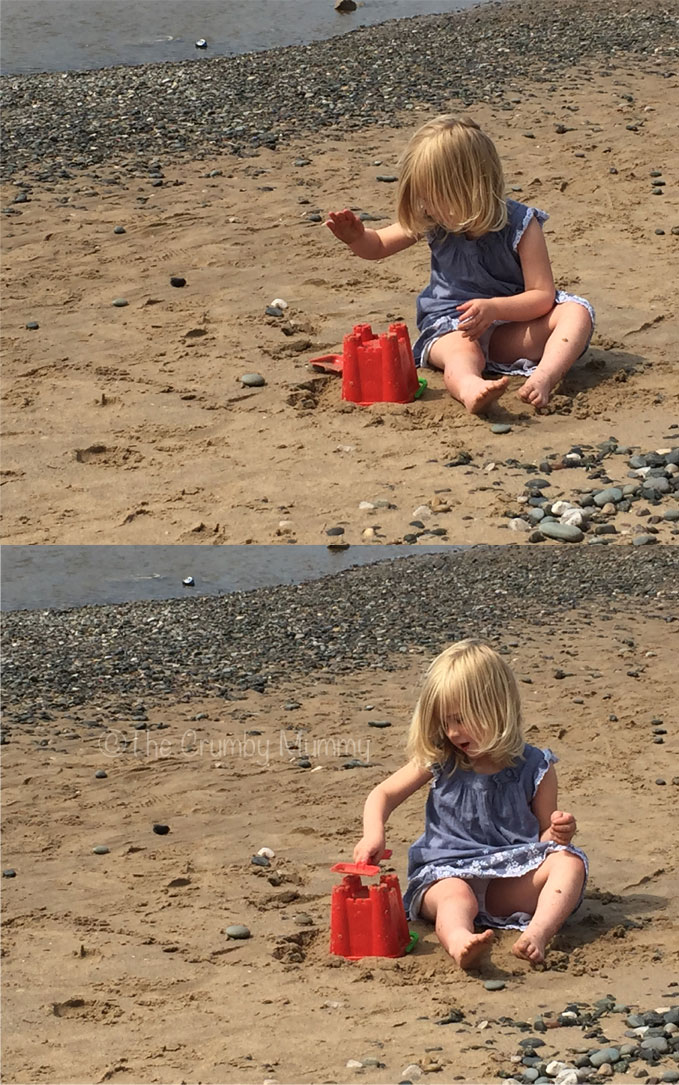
x,y
466,948
477,394
536,390
530,946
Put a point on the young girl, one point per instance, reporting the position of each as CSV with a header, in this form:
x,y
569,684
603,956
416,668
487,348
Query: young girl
x,y
491,303
496,851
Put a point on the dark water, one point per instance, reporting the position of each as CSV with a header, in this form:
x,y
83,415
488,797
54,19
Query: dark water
x,y
62,35
43,577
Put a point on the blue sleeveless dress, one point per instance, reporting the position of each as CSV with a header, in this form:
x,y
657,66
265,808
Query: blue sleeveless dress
x,y
479,828
484,267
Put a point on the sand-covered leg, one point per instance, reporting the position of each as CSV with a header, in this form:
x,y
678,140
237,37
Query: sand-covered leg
x,y
451,905
463,362
558,897
572,325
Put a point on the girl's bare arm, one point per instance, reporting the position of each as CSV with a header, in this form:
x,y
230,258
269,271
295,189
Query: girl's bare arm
x,y
381,801
368,244
539,291
556,825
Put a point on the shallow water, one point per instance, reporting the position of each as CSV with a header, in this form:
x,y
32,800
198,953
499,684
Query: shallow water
x,y
63,35
57,577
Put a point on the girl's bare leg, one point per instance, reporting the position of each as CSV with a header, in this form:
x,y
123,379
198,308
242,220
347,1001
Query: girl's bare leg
x,y
555,341
463,362
550,893
451,905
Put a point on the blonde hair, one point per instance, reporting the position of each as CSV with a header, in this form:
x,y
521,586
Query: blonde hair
x,y
451,177
471,681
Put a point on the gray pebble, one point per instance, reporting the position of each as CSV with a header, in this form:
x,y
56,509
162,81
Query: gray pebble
x,y
612,494
494,985
388,178
119,230
561,532
500,427
332,531
120,303
303,763
655,1043
604,1054
101,849
100,774
9,873
260,860
273,310
644,540
32,325
237,931
252,380
379,723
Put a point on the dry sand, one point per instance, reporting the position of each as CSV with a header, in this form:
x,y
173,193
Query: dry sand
x,y
129,425
116,967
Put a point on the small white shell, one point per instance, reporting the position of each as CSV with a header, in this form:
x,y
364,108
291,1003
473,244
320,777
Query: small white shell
x,y
188,581
267,853
279,303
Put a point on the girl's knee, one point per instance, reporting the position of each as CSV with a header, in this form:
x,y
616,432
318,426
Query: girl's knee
x,y
566,861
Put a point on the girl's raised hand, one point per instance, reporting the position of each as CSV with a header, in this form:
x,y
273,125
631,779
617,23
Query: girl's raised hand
x,y
345,226
478,314
562,827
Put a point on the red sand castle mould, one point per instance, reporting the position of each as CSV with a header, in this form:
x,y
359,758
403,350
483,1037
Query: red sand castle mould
x,y
375,368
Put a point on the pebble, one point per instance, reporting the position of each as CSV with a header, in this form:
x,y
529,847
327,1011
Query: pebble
x,y
494,985
379,723
119,230
561,532
260,860
334,532
100,774
32,325
644,540
188,582
201,43
177,280
160,829
237,930
612,494
101,849
388,178
412,1072
604,1055
273,310
9,872
120,303
252,380
500,427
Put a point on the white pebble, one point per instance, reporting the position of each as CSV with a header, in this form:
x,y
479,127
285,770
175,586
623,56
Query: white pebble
x,y
572,516
517,524
482,1025
285,526
572,457
555,1067
369,533
317,769
569,1076
267,852
489,467
422,512
354,1064
413,1072
367,506
559,507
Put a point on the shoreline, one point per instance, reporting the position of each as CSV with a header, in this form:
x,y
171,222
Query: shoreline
x,y
358,619
366,77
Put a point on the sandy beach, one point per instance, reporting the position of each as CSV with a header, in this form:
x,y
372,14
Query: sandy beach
x,y
116,966
131,425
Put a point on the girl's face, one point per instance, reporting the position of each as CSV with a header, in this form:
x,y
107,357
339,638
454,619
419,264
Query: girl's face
x,y
457,734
